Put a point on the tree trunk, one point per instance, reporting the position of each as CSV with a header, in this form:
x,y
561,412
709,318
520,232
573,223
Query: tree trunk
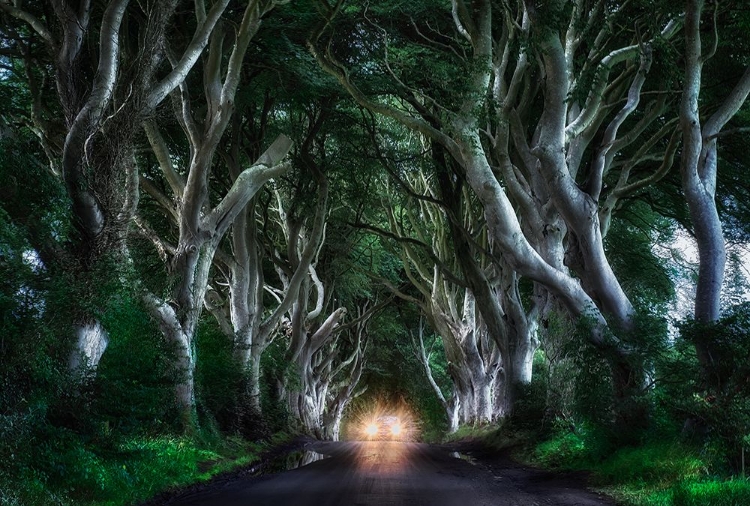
x,y
91,342
185,386
254,374
451,412
308,390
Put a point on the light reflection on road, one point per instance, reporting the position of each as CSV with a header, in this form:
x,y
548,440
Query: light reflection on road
x,y
363,473
383,457
302,458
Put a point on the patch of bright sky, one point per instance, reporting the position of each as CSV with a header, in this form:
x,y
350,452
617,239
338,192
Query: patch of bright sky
x,y
31,258
681,256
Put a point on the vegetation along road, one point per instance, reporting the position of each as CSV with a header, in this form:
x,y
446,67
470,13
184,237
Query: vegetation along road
x,y
396,473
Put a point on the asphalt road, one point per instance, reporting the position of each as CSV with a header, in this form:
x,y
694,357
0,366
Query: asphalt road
x,y
388,473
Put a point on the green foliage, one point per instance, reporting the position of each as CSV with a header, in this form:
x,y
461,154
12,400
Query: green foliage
x,y
276,370
570,446
654,463
659,472
132,470
531,404
579,380
714,397
219,379
133,390
563,450
630,249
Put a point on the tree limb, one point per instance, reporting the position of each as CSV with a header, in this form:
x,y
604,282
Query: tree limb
x,y
35,23
189,57
266,167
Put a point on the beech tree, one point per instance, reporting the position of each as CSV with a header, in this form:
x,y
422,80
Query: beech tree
x,y
243,312
344,367
201,224
449,403
316,395
448,305
325,353
441,233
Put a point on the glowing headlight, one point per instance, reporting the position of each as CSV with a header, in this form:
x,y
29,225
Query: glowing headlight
x,y
396,429
371,429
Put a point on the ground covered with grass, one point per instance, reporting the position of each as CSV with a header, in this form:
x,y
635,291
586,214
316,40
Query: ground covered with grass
x,y
129,471
653,473
657,471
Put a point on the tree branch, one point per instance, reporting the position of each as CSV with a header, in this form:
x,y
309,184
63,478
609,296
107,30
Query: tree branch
x,y
189,57
175,180
35,23
331,66
246,185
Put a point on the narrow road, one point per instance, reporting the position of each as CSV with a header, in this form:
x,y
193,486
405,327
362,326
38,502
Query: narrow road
x,y
389,473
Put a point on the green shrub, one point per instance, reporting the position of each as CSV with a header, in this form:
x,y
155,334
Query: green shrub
x,y
219,380
715,398
566,449
656,473
133,390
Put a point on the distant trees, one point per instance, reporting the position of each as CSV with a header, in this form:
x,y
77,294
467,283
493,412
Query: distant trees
x,y
431,266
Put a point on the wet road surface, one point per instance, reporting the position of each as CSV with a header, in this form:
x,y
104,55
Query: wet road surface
x,y
390,473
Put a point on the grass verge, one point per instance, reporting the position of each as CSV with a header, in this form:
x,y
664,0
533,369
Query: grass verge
x,y
656,473
661,472
131,470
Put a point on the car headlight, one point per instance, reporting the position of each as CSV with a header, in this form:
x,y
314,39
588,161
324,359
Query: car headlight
x,y
396,429
371,429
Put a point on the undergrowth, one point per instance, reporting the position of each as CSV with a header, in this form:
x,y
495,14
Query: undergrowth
x,y
128,472
660,472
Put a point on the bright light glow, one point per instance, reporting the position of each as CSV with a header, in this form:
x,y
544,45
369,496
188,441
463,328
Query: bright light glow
x,y
386,420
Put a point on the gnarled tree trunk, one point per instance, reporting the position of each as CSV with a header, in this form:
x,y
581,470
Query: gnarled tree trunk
x,y
201,226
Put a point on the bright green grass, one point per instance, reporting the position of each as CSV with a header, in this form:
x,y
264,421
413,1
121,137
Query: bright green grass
x,y
735,492
131,472
726,493
663,473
